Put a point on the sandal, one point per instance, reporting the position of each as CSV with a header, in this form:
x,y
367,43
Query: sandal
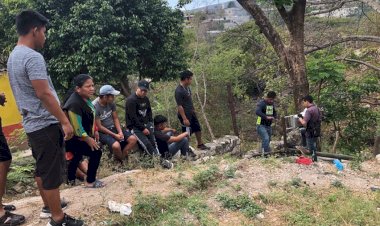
x,y
9,208
96,184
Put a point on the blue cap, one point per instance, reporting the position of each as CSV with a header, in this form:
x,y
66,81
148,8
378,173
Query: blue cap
x,y
108,90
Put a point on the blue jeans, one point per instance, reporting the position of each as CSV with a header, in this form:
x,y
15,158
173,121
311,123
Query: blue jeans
x,y
312,147
265,132
182,145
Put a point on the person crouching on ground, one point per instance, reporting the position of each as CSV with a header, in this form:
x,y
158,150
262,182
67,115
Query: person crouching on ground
x,y
81,113
167,143
119,141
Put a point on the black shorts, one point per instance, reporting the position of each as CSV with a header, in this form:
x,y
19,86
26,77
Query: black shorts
x,y
48,151
195,126
109,140
5,153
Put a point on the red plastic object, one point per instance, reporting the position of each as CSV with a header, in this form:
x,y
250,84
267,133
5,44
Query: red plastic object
x,y
69,155
304,160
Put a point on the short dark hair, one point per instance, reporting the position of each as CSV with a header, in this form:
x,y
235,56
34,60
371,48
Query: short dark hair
x,y
271,94
158,119
186,74
308,98
29,19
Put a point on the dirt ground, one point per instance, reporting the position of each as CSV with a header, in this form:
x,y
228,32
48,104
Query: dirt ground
x,y
252,175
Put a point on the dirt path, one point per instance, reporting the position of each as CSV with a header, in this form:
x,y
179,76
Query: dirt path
x,y
253,176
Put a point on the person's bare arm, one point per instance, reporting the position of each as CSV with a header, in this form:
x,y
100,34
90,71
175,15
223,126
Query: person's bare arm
x,y
103,129
178,138
43,92
116,121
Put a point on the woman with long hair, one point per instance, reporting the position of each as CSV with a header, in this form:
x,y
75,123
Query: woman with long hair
x,y
81,113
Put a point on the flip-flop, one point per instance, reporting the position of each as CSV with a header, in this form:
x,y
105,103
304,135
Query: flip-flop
x,y
9,207
97,184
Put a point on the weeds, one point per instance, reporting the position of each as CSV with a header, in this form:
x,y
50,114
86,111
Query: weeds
x,y
337,184
241,203
170,210
296,182
205,179
230,172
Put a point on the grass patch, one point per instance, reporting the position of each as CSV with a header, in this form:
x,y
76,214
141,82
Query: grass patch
x,y
335,207
205,179
296,182
20,173
241,203
271,162
230,172
337,184
175,209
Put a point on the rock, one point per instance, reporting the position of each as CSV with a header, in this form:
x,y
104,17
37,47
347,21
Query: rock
x,y
19,188
378,158
260,216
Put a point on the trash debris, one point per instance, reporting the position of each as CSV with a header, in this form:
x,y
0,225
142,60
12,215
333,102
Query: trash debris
x,y
375,188
338,164
304,160
122,208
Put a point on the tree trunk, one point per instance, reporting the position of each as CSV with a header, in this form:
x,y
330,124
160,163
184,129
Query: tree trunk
x,y
125,89
231,105
376,148
292,56
296,56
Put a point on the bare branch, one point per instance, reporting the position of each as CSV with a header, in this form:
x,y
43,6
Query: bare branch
x,y
338,5
352,38
284,14
265,27
375,5
360,62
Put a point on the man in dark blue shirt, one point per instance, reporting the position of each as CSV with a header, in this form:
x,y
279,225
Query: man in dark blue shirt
x,y
266,113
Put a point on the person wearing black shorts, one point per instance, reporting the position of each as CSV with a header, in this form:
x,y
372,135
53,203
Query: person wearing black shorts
x,y
6,217
119,141
186,112
43,120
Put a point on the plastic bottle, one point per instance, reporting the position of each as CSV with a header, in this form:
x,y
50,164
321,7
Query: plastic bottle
x,y
338,164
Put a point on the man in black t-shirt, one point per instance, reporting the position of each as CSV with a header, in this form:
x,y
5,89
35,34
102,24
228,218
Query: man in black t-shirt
x,y
186,111
167,143
139,120
266,113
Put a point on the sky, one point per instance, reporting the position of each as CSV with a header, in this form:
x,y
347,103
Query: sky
x,y
196,3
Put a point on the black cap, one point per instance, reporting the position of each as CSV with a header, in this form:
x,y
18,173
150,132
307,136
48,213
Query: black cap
x,y
144,85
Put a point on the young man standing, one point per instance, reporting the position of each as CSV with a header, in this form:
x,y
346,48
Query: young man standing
x,y
43,119
6,217
266,113
186,112
119,141
167,143
312,122
139,119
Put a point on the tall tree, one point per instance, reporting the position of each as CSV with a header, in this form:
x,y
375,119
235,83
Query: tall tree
x,y
292,55
112,39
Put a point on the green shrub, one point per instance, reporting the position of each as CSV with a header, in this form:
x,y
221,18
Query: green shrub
x,y
241,203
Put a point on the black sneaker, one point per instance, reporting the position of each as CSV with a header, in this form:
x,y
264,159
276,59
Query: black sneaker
x,y
67,221
191,154
45,212
11,219
167,164
203,147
